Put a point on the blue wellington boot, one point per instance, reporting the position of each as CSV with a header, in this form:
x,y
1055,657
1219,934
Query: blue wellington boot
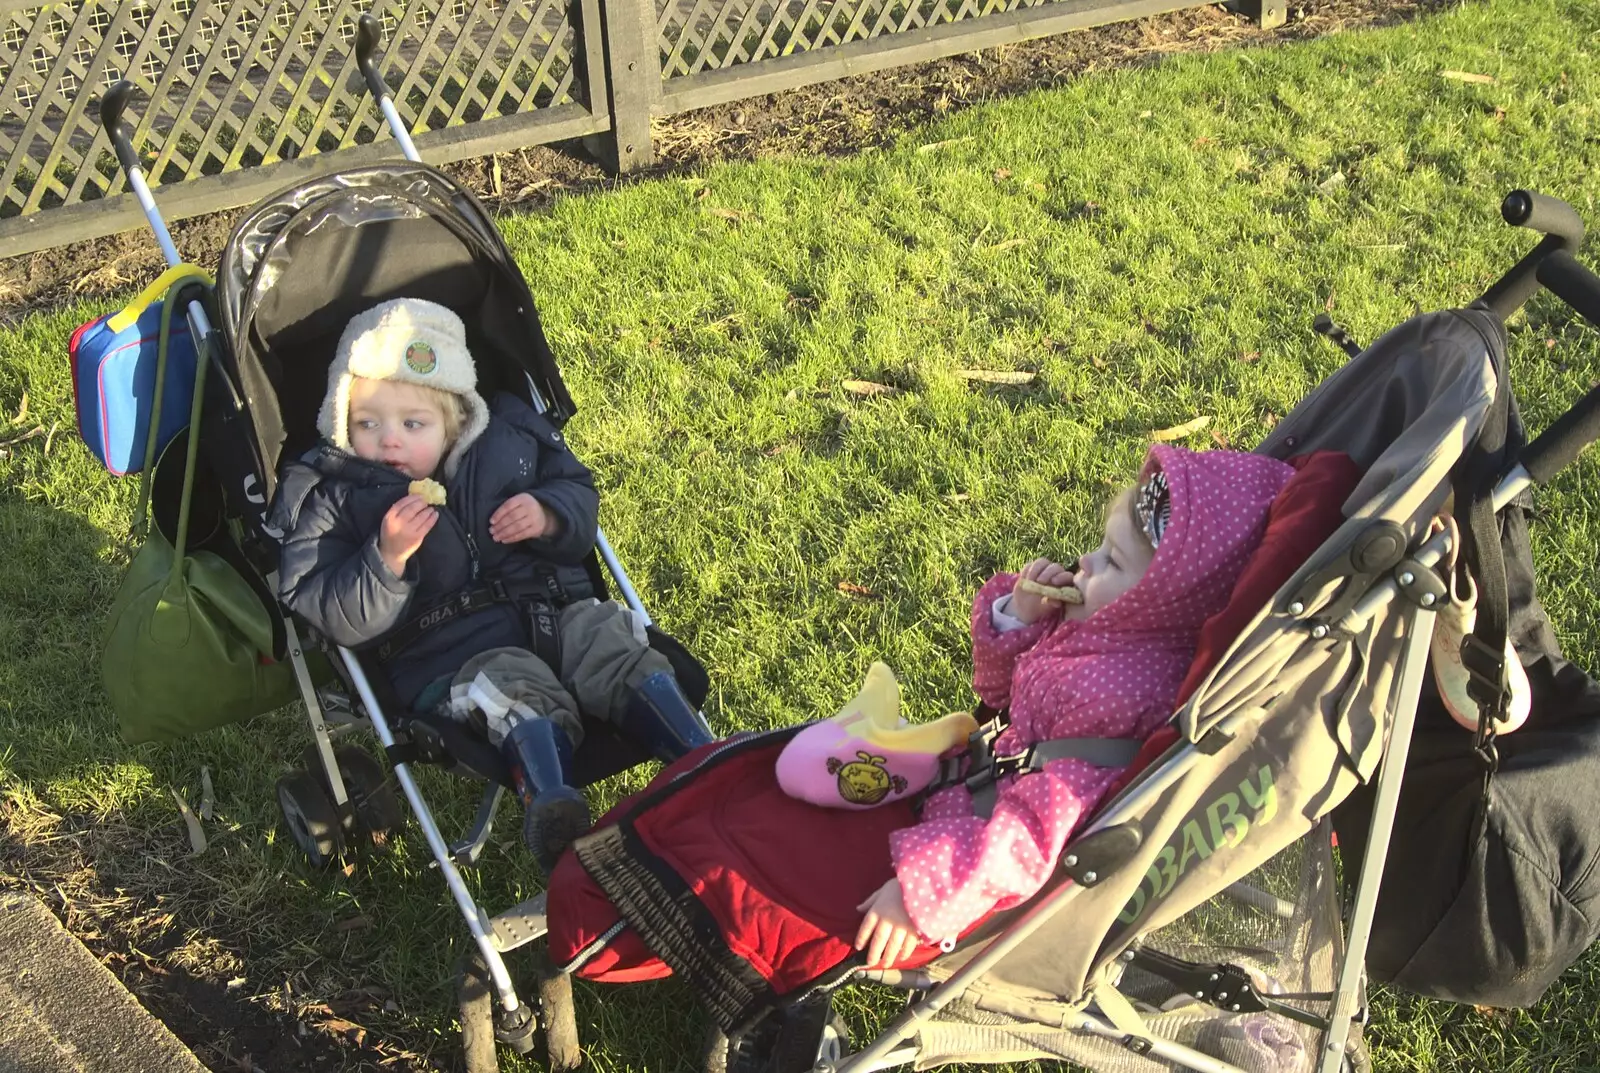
x,y
660,718
554,814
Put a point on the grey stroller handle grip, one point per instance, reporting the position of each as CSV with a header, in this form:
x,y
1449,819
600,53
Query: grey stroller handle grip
x,y
368,33
1547,215
1576,429
1563,230
112,105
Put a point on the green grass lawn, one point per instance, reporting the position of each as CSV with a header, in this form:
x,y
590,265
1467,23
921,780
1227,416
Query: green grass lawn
x,y
1150,244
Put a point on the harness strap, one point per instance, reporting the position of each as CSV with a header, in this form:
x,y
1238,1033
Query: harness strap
x,y
983,785
541,612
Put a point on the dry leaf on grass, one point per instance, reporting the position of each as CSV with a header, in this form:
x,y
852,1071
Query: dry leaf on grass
x,y
1250,355
996,376
931,146
1468,76
197,834
735,215
208,799
868,387
1178,432
22,437
1002,173
860,592
1010,243
22,411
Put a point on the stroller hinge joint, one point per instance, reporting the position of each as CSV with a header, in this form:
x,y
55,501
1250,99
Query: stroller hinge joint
x,y
1420,585
1098,855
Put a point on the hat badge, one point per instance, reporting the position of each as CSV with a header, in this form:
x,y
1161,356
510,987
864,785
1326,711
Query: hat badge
x,y
420,357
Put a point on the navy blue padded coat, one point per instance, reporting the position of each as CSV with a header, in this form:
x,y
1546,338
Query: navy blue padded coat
x,y
331,504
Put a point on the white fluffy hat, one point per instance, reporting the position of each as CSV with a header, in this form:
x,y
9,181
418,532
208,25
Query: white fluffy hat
x,y
409,339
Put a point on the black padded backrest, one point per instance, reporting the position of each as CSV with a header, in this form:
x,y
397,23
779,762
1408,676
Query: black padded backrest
x,y
299,320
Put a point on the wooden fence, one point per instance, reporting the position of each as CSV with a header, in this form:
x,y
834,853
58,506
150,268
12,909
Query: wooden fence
x,y
241,97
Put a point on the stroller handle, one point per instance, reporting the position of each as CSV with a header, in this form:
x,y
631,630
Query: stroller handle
x,y
112,105
368,33
1563,231
1576,429
1547,215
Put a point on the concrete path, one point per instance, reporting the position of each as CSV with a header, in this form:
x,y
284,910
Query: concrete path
x,y
61,1011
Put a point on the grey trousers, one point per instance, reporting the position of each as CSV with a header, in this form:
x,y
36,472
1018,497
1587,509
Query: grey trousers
x,y
604,657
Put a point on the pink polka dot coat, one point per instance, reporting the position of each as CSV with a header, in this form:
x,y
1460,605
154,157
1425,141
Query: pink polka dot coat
x,y
1113,675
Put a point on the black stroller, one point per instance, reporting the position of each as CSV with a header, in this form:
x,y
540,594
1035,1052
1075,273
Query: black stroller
x,y
293,272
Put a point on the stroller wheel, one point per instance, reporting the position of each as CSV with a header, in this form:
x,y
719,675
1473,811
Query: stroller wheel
x,y
791,1042
810,1033
310,818
377,808
477,1015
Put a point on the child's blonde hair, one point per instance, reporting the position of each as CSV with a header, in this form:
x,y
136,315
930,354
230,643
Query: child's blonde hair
x,y
453,410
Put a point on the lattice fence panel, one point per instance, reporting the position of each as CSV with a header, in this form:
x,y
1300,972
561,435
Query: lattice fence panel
x,y
228,84
702,35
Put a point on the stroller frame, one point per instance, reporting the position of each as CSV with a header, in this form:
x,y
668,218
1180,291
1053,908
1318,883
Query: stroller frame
x,y
1103,1012
514,1021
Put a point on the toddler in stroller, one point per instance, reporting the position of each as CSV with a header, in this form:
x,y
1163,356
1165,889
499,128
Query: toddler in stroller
x,y
471,590
1078,680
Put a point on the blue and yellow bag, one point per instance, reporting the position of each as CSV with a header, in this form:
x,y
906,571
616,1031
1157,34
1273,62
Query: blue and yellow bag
x,y
115,378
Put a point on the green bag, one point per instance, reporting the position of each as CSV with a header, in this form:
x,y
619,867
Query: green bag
x,y
188,646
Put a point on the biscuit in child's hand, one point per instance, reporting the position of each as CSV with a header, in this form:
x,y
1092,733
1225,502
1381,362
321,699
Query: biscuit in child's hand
x,y
1062,593
431,491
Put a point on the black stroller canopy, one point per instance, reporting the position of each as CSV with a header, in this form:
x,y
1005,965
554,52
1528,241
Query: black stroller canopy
x,y
308,259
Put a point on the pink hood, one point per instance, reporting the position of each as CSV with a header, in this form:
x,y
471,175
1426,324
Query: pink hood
x,y
1142,644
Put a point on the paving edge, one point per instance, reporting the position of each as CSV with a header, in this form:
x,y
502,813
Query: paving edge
x,y
61,1011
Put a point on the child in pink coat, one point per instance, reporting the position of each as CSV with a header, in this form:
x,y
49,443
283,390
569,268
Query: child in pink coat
x,y
1109,667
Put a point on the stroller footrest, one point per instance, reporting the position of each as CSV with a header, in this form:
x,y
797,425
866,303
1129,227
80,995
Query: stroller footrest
x,y
521,924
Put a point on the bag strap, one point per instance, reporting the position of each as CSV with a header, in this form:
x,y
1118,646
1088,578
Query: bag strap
x,y
161,288
170,282
1483,650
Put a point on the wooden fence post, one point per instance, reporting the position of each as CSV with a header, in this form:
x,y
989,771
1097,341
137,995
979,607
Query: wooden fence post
x,y
1269,14
633,83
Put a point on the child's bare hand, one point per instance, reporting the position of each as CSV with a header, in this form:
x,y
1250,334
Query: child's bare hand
x,y
521,517
886,933
1030,607
404,527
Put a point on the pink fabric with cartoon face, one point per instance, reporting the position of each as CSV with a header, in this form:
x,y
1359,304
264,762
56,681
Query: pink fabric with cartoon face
x,y
828,765
1115,675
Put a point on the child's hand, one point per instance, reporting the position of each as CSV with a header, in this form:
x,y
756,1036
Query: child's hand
x,y
522,517
404,526
887,926
1030,607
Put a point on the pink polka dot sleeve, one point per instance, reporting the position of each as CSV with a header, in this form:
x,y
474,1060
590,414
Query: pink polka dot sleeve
x,y
956,868
994,654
